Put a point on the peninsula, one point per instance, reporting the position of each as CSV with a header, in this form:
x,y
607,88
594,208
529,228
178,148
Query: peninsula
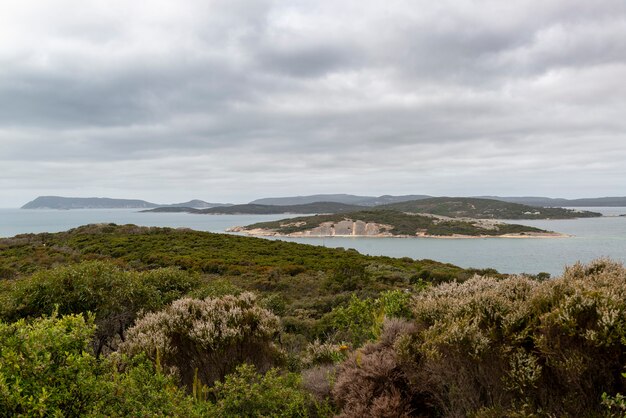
x,y
452,207
390,223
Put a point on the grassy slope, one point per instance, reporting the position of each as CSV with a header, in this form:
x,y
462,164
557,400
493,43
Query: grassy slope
x,y
458,207
403,224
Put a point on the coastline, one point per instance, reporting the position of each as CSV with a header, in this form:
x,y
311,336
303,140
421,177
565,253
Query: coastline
x,y
270,233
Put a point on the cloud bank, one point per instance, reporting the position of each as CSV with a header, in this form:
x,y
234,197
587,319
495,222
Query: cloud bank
x,y
233,100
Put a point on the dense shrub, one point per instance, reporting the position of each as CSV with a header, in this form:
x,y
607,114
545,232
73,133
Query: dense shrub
x,y
115,296
554,346
206,339
47,369
361,319
498,347
246,393
372,382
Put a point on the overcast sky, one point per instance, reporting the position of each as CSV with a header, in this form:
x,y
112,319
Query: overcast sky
x,y
231,100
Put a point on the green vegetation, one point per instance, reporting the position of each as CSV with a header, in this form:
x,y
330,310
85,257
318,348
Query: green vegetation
x,y
470,207
47,369
109,320
510,347
401,223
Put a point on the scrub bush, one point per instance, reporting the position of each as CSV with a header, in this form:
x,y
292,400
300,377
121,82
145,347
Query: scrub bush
x,y
247,393
47,369
206,339
113,295
492,347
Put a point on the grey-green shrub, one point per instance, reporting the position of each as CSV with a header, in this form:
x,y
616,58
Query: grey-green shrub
x,y
206,338
553,346
500,347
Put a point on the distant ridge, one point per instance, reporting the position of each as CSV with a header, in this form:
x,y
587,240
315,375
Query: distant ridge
x,y
479,208
255,209
59,202
389,199
560,202
454,207
347,199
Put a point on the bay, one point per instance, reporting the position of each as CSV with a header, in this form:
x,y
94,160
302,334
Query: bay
x,y
591,238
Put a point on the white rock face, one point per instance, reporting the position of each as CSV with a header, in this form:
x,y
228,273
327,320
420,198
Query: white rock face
x,y
348,228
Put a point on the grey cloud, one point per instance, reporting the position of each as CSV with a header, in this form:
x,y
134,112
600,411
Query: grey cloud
x,y
237,94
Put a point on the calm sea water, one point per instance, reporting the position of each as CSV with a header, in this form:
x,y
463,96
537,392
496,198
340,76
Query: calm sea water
x,y
592,238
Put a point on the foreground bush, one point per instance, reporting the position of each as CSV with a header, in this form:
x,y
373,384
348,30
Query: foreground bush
x,y
372,382
246,393
361,319
47,369
499,347
115,296
206,339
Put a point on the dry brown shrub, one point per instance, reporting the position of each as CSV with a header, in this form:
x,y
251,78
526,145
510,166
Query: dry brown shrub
x,y
372,382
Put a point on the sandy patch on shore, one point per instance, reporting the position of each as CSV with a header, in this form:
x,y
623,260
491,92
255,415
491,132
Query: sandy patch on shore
x,y
270,233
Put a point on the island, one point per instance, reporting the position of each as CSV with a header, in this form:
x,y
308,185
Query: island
x,y
390,223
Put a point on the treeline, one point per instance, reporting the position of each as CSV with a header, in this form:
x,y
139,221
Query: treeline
x,y
92,323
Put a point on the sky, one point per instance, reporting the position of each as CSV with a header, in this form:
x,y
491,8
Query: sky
x,y
231,100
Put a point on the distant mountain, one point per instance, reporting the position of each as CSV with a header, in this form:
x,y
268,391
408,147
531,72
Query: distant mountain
x,y
559,202
58,202
196,204
254,209
388,199
477,208
453,207
347,199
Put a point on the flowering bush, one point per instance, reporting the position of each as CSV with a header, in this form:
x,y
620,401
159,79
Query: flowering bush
x,y
207,338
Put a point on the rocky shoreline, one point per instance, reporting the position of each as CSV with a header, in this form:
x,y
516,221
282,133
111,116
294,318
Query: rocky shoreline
x,y
259,232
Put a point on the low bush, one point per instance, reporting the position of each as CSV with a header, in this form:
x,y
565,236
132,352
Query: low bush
x,y
206,339
47,369
372,382
113,295
247,393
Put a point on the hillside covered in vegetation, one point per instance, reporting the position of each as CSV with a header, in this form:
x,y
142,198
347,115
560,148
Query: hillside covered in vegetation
x,y
452,207
108,320
467,207
387,223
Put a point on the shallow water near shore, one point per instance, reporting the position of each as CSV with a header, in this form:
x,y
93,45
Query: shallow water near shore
x,y
591,237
